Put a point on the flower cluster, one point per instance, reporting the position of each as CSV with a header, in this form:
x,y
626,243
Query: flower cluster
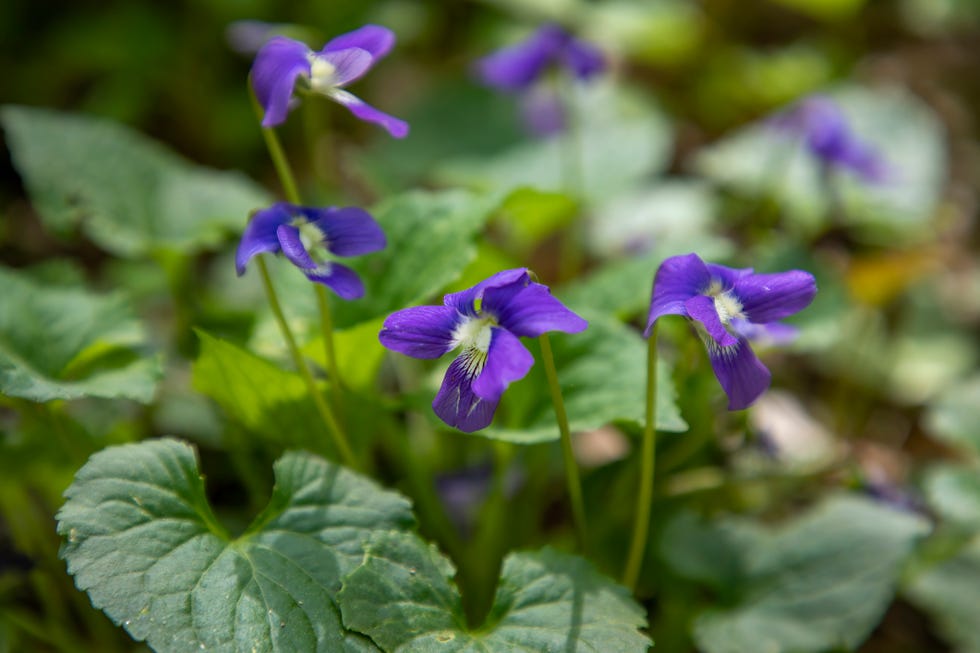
x,y
820,124
282,62
729,307
307,235
485,322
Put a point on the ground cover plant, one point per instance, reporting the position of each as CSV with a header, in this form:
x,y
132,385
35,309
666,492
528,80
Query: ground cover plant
x,y
490,326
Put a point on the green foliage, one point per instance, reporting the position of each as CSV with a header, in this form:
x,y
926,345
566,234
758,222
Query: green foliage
x,y
602,372
63,342
269,401
140,197
546,601
819,582
142,540
430,241
955,414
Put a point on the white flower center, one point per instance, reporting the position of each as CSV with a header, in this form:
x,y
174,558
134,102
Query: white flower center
x,y
310,235
726,305
323,74
474,335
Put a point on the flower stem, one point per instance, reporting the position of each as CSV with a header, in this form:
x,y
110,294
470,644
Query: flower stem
x,y
571,469
644,500
339,438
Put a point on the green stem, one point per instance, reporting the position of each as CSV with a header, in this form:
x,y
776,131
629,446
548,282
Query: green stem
x,y
329,351
339,438
571,469
644,500
291,191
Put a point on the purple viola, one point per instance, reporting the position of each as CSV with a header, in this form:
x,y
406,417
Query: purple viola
x,y
282,62
822,127
728,307
520,66
485,322
306,236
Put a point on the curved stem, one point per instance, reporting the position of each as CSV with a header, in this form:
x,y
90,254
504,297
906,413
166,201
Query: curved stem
x,y
571,469
329,350
340,440
644,500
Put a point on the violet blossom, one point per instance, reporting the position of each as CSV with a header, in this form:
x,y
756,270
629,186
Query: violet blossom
x,y
822,127
485,322
307,236
728,307
520,68
284,63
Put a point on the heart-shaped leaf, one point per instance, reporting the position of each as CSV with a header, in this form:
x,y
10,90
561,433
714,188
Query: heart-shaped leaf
x,y
546,601
142,540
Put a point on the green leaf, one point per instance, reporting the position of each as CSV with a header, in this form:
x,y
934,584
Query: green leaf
x,y
137,198
63,342
263,397
954,493
758,160
818,583
401,596
950,593
430,242
955,414
602,372
621,140
142,541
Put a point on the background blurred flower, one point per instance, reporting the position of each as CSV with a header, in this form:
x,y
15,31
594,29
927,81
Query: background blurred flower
x,y
282,62
304,234
821,125
485,321
727,307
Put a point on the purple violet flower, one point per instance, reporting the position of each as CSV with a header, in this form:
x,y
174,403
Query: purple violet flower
x,y
821,125
518,67
728,307
305,234
283,61
486,322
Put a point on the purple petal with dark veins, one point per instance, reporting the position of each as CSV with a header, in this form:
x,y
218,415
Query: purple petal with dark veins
x,y
742,376
292,247
529,310
457,405
702,309
374,39
260,234
349,231
771,297
275,70
677,280
507,361
420,331
364,111
339,278
349,64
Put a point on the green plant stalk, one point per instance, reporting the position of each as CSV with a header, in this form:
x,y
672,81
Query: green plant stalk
x,y
571,468
648,454
339,438
291,190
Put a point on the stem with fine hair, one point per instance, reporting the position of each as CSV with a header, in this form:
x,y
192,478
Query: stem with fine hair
x,y
571,468
644,500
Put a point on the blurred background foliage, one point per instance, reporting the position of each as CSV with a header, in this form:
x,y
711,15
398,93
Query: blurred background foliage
x,y
880,394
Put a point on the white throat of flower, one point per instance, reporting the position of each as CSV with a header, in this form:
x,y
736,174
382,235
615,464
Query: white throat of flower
x,y
323,74
313,239
473,335
726,305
